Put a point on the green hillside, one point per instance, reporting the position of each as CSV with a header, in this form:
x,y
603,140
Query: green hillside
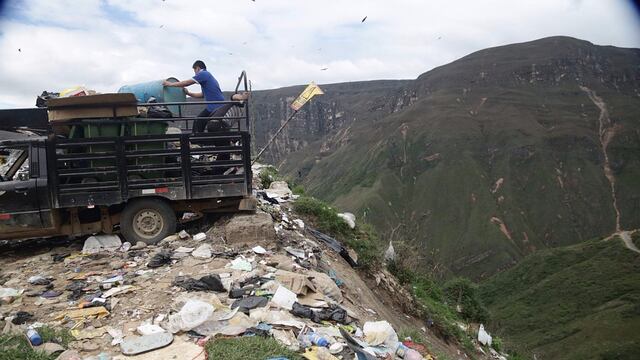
x,y
497,155
574,302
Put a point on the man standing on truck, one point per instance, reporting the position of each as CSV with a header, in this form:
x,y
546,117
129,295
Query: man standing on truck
x,y
210,91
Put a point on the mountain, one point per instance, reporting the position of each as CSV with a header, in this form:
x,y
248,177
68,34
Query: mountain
x,y
576,302
478,163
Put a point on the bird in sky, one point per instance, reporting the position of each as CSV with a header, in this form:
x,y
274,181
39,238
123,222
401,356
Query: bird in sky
x,y
19,50
365,18
323,69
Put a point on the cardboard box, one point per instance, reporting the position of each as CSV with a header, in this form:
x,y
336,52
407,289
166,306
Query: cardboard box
x,y
92,106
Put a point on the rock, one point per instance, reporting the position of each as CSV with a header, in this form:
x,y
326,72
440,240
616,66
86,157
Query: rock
x,y
51,348
69,355
279,189
253,229
117,264
90,346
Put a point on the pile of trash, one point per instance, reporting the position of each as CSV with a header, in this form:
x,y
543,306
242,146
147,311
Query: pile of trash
x,y
136,301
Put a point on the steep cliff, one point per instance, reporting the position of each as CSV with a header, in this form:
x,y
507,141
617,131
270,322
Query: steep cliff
x,y
480,162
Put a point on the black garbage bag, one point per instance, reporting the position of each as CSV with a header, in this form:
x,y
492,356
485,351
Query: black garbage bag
x,y
41,101
333,313
160,259
250,302
21,317
159,112
205,283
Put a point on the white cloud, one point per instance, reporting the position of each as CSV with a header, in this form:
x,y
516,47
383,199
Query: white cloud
x,y
104,44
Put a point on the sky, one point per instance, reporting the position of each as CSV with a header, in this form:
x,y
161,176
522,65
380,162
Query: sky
x,y
104,44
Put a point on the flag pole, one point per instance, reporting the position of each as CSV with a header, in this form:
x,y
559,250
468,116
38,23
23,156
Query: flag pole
x,y
274,137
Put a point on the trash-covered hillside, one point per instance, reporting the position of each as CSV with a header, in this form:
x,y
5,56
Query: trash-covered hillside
x,y
266,283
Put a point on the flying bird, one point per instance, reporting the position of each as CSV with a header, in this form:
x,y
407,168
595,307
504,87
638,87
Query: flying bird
x,y
323,69
439,37
365,18
19,50
161,26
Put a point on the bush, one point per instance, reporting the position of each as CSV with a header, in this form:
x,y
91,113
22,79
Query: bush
x,y
465,293
496,343
326,218
268,175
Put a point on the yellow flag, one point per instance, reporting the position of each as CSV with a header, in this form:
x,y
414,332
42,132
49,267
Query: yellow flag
x,y
311,91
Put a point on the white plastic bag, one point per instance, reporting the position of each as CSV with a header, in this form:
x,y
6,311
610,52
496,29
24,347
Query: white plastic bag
x,y
192,314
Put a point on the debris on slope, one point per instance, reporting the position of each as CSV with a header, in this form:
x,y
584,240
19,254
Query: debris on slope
x,y
253,274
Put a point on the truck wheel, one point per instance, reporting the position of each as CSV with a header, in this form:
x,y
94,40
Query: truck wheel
x,y
147,220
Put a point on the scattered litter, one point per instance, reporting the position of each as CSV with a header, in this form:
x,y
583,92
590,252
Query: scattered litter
x,y
183,249
51,348
296,252
250,302
259,250
116,335
125,246
160,259
205,283
349,218
118,290
149,329
390,253
88,333
483,336
192,314
299,223
380,333
133,345
200,236
203,251
95,244
284,298
240,263
39,280
49,294
183,235
80,314
21,317
334,313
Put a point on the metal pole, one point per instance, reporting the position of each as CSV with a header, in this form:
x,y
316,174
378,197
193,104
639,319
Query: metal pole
x,y
274,137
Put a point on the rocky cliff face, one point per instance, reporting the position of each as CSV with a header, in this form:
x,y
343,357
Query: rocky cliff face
x,y
323,124
480,162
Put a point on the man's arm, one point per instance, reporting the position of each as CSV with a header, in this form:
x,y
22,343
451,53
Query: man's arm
x,y
192,94
182,83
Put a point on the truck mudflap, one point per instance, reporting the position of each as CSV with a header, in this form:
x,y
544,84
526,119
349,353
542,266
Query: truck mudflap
x,y
249,203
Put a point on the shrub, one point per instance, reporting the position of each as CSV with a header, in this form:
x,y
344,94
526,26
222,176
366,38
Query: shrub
x,y
465,293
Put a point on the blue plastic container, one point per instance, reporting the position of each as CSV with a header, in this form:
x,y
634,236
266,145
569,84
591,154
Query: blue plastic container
x,y
144,91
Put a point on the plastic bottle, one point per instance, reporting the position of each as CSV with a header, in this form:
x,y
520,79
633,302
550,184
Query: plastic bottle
x,y
318,340
34,338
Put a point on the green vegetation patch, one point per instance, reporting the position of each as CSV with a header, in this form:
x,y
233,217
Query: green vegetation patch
x,y
17,347
363,239
585,298
248,348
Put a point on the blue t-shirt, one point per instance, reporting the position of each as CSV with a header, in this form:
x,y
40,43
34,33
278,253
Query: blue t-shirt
x,y
210,88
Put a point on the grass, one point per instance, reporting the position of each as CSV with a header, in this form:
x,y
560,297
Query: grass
x,y
268,175
16,346
363,239
438,303
583,297
248,348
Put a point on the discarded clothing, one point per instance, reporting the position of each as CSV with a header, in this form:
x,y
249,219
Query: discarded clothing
x,y
160,259
249,303
205,283
334,313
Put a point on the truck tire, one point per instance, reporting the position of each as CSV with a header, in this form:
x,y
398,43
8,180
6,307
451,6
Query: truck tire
x,y
147,220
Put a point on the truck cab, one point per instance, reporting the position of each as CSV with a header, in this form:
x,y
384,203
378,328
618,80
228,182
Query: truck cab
x,y
25,209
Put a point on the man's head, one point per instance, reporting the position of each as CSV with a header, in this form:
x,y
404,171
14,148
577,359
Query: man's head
x,y
199,65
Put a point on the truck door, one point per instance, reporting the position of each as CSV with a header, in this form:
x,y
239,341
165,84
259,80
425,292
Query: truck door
x,y
19,208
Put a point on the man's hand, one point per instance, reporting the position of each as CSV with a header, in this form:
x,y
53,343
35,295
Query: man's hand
x,y
166,83
186,91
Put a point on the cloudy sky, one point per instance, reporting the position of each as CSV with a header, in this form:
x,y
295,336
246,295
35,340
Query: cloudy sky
x,y
103,44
